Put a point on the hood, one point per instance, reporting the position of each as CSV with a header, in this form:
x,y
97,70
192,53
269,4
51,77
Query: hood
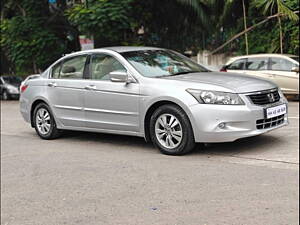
x,y
12,85
236,82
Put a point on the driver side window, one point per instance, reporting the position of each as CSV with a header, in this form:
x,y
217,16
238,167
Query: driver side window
x,y
101,65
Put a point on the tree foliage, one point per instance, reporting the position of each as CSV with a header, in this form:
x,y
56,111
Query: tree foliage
x,y
30,38
107,20
35,33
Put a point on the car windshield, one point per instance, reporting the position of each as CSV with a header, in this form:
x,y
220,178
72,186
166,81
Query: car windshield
x,y
160,63
295,58
12,80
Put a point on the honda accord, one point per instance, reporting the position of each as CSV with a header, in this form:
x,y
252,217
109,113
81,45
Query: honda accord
x,y
154,93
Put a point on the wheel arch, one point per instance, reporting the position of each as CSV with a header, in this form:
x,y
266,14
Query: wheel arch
x,y
33,105
152,109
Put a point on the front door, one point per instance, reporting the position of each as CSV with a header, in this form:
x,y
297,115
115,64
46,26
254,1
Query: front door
x,y
110,105
65,90
237,66
258,67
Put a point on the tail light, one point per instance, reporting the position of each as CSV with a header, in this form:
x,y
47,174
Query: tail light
x,y
223,69
23,87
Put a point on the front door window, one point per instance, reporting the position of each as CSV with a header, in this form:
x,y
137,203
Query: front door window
x,y
101,65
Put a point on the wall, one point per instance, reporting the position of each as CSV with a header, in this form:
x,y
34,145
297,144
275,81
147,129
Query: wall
x,y
214,62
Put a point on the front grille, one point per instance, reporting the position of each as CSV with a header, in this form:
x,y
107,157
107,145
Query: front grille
x,y
269,123
264,98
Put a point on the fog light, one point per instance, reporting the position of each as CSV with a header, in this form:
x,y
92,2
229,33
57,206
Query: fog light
x,y
222,125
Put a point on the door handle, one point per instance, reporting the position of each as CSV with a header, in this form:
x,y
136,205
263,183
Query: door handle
x,y
90,87
52,84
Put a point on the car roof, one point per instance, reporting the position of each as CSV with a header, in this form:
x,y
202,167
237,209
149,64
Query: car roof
x,y
264,55
261,55
130,48
118,49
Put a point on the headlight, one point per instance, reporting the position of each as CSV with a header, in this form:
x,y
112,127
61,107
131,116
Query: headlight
x,y
216,97
280,93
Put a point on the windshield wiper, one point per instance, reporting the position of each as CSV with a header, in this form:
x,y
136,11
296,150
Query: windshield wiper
x,y
185,72
180,73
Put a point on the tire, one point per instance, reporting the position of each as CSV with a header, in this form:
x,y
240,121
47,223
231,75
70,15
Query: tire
x,y
171,131
5,95
44,123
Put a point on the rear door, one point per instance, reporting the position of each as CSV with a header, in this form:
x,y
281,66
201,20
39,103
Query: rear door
x,y
110,105
65,91
284,77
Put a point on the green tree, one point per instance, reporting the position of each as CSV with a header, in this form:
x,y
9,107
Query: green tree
x,y
107,21
31,38
164,23
280,7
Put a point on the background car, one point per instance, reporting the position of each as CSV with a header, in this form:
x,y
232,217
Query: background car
x,y
9,87
281,69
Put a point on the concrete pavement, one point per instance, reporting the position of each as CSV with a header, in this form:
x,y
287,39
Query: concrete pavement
x,y
89,178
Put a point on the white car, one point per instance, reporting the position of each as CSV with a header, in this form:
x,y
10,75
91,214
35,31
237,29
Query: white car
x,y
281,69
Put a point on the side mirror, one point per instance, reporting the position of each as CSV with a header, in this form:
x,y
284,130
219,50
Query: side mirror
x,y
120,76
295,69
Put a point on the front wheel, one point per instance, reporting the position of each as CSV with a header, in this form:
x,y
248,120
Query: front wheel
x,y
171,130
5,95
44,122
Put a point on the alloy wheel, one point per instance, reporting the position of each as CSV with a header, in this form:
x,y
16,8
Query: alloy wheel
x,y
168,131
43,121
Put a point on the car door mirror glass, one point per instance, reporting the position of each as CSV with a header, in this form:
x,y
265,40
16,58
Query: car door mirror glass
x,y
295,69
118,76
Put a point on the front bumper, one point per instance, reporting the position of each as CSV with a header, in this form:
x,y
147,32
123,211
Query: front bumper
x,y
240,121
14,95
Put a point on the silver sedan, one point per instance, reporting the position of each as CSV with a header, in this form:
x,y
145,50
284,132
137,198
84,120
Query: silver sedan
x,y
153,93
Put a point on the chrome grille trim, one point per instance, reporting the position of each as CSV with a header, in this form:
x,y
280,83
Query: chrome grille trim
x,y
269,123
264,97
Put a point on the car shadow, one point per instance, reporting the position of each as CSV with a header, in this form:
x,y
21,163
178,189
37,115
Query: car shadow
x,y
115,139
257,144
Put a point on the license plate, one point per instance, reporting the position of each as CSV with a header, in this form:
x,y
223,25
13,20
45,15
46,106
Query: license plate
x,y
275,111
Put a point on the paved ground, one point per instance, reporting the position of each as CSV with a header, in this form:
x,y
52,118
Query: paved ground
x,y
89,179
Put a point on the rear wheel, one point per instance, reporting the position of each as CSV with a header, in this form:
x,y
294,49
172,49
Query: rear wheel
x,y
171,131
44,122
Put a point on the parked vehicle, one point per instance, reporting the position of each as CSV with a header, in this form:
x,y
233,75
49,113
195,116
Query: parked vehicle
x,y
9,87
153,93
280,69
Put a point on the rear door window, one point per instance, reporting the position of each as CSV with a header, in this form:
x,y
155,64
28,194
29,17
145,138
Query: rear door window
x,y
73,68
280,64
237,65
260,63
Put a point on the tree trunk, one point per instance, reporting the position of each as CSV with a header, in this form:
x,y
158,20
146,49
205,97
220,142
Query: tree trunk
x,y
243,32
35,69
280,35
245,27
